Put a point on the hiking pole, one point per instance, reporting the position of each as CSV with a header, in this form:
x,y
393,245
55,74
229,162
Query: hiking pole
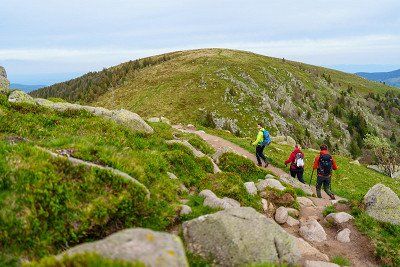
x,y
312,174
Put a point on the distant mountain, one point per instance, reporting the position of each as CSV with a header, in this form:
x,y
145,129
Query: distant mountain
x,y
391,77
26,87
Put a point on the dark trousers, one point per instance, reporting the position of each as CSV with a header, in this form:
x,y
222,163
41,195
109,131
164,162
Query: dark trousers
x,y
326,182
260,154
299,173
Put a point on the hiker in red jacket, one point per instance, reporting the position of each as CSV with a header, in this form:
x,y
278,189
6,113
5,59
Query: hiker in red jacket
x,y
296,160
324,163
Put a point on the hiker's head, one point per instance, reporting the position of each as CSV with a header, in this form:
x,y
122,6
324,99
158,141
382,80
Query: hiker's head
x,y
323,147
260,125
297,146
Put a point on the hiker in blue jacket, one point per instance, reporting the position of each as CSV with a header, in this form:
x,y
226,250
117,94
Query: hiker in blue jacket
x,y
263,139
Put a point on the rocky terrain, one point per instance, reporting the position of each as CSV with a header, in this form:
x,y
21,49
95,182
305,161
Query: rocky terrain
x,y
4,83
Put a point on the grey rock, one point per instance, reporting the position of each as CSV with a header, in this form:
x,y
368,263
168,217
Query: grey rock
x,y
212,201
272,183
292,222
264,204
281,215
185,210
383,204
305,202
131,120
154,119
251,188
309,252
338,217
312,231
138,244
296,184
220,152
344,235
226,238
18,96
185,143
4,83
172,176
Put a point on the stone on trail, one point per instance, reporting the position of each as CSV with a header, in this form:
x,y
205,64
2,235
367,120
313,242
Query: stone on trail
x,y
264,204
292,221
212,201
312,231
138,244
281,215
185,209
305,202
239,236
273,183
338,217
383,204
344,236
309,252
251,188
320,264
293,212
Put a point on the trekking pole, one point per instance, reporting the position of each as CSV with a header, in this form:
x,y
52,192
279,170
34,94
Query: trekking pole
x,y
312,174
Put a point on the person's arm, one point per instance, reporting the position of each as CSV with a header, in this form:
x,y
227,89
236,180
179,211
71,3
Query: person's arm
x,y
259,138
334,166
290,159
316,161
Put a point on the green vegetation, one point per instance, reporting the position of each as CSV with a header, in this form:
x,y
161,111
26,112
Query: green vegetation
x,y
328,210
79,260
232,90
339,260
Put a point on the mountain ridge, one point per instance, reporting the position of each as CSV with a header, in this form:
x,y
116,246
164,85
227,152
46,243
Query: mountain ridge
x,y
390,77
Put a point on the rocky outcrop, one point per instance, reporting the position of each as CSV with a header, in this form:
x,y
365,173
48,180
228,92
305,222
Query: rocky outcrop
x,y
4,83
383,204
239,236
138,244
123,117
272,183
212,201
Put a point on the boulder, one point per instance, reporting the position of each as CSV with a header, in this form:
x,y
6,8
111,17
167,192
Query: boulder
x,y
338,217
355,162
296,184
309,252
312,231
4,83
281,215
226,238
383,204
273,183
138,244
220,152
344,236
305,202
320,264
185,209
18,96
212,201
251,188
196,153
292,221
131,120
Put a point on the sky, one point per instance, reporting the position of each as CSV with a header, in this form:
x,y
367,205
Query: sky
x,y
43,42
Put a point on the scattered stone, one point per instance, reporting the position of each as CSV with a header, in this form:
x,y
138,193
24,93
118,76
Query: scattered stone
x,y
292,221
269,176
273,183
296,184
355,162
344,236
338,217
185,209
183,189
191,127
305,202
220,151
383,204
154,119
212,201
320,264
185,143
312,231
165,120
226,238
251,188
281,215
265,205
309,252
138,244
172,176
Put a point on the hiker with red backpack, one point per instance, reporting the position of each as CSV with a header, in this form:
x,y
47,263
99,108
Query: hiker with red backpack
x,y
324,163
296,160
263,139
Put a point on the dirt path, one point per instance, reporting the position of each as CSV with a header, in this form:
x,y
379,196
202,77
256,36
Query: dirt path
x,y
359,251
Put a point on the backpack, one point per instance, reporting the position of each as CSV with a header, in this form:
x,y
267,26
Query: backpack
x,y
299,160
325,165
266,138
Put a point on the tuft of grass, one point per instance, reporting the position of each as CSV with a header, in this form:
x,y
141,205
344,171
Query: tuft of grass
x,y
342,261
328,210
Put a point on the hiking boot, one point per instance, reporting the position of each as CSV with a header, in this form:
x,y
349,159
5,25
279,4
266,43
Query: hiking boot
x,y
266,164
259,165
332,196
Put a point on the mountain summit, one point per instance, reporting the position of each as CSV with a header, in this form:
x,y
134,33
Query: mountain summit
x,y
233,90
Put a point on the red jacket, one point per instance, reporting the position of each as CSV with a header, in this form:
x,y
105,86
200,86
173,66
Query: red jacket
x,y
292,158
316,161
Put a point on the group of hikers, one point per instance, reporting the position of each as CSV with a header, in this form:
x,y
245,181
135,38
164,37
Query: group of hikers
x,y
324,163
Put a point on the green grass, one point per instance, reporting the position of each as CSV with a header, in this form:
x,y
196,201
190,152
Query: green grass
x,y
339,260
328,210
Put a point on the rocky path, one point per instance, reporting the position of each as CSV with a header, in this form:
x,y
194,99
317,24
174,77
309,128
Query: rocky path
x,y
359,251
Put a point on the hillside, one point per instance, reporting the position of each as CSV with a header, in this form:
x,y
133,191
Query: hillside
x,y
390,78
234,89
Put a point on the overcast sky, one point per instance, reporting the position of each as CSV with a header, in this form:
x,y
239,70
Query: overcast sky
x,y
42,42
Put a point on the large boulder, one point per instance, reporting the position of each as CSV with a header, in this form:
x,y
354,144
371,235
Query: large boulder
x,y
272,183
138,244
18,96
338,217
383,204
132,120
312,231
4,83
239,236
281,215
